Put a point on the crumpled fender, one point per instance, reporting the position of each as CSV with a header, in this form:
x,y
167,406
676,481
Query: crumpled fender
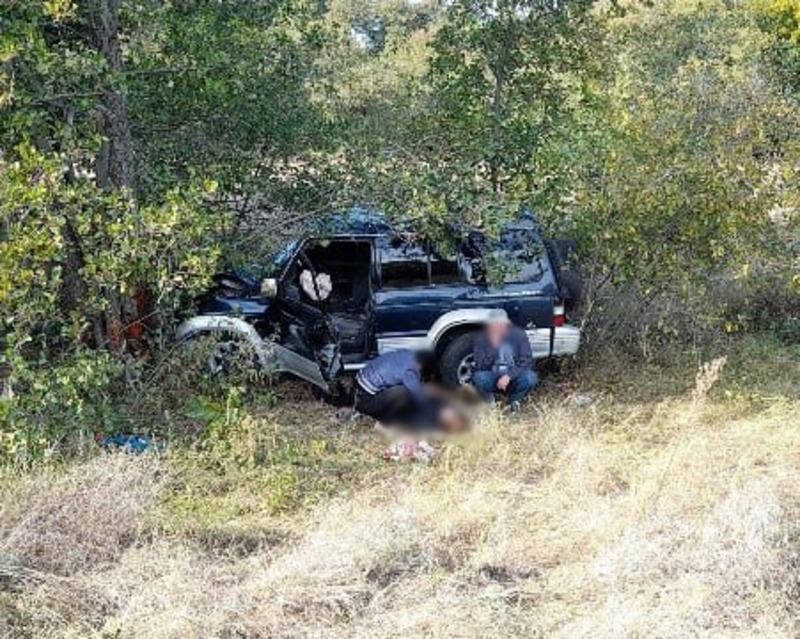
x,y
222,323
271,356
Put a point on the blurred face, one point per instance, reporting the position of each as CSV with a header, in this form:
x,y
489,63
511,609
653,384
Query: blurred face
x,y
452,421
496,332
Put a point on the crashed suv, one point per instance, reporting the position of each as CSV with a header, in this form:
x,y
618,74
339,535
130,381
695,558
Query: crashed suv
x,y
389,287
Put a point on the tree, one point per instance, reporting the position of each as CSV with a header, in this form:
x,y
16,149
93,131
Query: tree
x,y
221,92
493,83
501,73
781,19
79,251
685,178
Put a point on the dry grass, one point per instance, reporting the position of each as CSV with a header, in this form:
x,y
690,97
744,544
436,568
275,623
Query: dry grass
x,y
86,517
609,518
57,529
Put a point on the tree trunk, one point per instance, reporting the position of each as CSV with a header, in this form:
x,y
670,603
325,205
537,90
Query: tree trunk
x,y
114,164
115,160
498,107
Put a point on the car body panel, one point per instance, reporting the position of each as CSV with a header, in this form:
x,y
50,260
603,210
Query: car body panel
x,y
411,311
272,357
554,342
565,339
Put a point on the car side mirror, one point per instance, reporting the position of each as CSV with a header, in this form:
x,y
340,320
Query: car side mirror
x,y
269,287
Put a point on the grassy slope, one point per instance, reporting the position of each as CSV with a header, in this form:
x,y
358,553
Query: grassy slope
x,y
617,506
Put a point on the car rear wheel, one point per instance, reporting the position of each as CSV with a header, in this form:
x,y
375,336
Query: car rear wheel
x,y
458,362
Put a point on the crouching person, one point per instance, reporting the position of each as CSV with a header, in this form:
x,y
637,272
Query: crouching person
x,y
503,361
390,390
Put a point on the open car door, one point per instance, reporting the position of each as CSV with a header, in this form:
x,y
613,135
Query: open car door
x,y
287,360
307,343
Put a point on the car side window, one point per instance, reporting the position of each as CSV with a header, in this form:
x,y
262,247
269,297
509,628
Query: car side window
x,y
522,250
403,262
445,269
516,257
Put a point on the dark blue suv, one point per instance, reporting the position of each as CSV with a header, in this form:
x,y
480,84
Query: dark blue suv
x,y
388,288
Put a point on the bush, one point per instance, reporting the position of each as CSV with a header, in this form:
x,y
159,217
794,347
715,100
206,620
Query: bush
x,y
87,277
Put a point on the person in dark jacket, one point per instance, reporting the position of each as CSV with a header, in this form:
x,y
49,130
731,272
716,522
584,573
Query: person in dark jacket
x,y
503,361
390,390
390,387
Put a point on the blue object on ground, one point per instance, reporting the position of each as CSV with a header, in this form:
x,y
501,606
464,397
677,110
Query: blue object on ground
x,y
129,443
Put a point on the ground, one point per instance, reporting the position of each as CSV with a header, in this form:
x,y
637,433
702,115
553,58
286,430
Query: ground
x,y
629,500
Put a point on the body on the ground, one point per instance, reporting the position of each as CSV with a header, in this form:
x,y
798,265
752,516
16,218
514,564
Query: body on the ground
x,y
390,390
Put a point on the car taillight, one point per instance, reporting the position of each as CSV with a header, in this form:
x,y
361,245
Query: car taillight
x,y
559,317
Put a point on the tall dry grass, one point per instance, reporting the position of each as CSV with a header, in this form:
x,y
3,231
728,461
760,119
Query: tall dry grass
x,y
599,518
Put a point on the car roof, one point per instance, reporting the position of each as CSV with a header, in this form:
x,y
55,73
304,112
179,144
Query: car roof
x,y
368,222
357,221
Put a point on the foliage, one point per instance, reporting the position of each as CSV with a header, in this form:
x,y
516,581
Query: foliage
x,y
454,130
502,73
781,19
247,465
220,91
691,172
167,248
69,250
663,137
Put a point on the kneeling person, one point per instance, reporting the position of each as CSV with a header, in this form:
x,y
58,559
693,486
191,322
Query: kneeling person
x,y
390,391
503,361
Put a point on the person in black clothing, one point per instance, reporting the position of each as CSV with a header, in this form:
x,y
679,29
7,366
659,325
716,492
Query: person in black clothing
x,y
389,389
390,386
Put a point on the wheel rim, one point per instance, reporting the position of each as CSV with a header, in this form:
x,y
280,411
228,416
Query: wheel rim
x,y
465,369
219,360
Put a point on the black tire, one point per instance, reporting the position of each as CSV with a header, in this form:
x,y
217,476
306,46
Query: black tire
x,y
223,354
453,359
565,256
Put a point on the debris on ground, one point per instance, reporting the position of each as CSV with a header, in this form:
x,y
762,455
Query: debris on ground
x,y
582,400
346,415
408,450
135,444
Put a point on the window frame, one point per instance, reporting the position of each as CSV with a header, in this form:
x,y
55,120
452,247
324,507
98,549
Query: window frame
x,y
427,247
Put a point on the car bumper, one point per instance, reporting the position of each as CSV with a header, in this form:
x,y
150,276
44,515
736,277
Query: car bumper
x,y
566,340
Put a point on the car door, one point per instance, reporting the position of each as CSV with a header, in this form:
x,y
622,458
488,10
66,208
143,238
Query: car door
x,y
306,340
407,303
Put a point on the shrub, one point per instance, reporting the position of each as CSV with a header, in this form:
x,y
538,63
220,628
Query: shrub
x,y
86,276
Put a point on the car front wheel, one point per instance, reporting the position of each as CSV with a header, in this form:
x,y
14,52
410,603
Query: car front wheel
x,y
220,355
458,362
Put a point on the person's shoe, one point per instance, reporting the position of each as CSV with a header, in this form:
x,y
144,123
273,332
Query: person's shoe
x,y
515,408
